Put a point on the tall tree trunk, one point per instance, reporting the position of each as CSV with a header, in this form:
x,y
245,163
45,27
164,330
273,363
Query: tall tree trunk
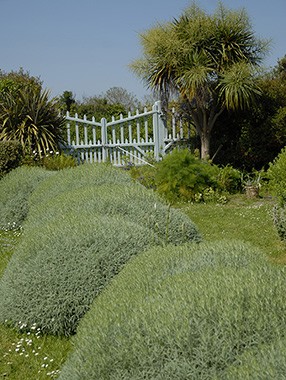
x,y
204,121
205,144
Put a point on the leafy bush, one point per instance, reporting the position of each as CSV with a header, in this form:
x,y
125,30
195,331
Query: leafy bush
x,y
185,312
279,218
15,189
277,175
84,224
145,175
229,179
10,156
180,176
58,161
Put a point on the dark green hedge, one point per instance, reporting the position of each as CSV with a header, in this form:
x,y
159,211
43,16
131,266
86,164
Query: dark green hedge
x,y
11,154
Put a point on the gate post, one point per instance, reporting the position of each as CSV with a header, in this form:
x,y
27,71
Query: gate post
x,y
104,139
158,131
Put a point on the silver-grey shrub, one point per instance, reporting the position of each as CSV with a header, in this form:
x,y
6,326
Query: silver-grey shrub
x,y
264,362
133,202
78,178
59,268
279,219
15,190
178,313
84,224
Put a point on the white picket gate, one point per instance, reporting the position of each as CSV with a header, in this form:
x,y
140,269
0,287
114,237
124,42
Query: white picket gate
x,y
127,140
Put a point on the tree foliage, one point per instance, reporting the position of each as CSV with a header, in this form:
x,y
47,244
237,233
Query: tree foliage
x,y
251,138
210,60
27,114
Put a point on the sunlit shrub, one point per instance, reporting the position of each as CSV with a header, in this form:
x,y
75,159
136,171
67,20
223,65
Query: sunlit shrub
x,y
58,161
277,176
58,269
15,189
134,203
185,312
180,175
84,224
279,218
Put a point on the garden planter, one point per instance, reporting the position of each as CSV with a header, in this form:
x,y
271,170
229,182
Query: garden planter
x,y
252,191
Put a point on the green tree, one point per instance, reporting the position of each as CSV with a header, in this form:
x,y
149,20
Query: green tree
x,y
253,137
66,101
209,60
119,95
99,107
28,115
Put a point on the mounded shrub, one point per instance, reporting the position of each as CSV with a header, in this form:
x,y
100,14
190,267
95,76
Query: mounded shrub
x,y
83,226
279,218
186,312
133,202
11,154
265,362
15,190
58,269
78,178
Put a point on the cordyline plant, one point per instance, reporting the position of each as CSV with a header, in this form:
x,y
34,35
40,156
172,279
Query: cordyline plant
x,y
211,61
32,119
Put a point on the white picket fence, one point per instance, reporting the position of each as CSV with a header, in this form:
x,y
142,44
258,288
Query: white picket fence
x,y
127,140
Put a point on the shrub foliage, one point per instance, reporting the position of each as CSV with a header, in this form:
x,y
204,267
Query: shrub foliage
x,y
10,156
188,312
277,175
83,226
180,176
15,189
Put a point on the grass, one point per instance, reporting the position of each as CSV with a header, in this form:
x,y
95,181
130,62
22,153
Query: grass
x,y
241,218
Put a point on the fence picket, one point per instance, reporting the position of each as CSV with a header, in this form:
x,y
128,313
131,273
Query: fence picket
x,y
126,139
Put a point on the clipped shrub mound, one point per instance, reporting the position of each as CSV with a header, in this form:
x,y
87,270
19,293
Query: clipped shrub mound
x,y
83,226
15,189
134,203
78,178
279,218
58,269
265,362
187,312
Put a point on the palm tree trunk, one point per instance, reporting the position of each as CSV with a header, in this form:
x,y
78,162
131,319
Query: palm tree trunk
x,y
204,121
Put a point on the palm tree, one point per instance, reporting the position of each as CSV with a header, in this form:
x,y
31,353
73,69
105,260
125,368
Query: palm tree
x,y
32,119
211,61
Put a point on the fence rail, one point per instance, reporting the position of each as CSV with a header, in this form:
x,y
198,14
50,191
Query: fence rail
x,y
125,140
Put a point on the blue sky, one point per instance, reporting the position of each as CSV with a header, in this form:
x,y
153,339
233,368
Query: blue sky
x,y
85,46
